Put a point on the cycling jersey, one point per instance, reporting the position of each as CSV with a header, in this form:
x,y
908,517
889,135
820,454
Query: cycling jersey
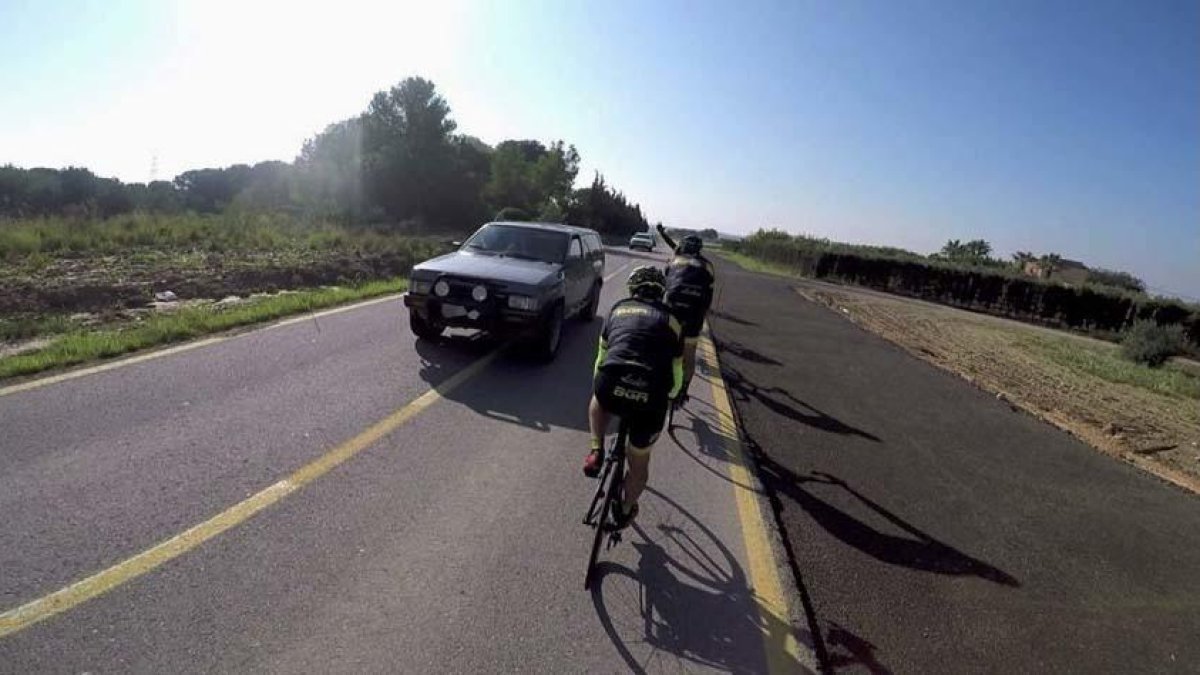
x,y
644,335
690,290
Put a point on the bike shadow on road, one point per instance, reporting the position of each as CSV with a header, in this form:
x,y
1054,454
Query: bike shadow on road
x,y
741,351
687,602
782,402
711,446
518,388
915,549
726,316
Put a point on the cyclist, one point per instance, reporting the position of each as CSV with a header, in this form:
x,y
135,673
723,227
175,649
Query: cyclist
x,y
690,279
639,369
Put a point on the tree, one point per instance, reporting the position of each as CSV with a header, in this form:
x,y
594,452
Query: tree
x,y
528,175
554,175
329,169
1116,279
407,152
1022,257
1050,263
952,249
605,210
974,252
511,182
513,213
212,190
977,250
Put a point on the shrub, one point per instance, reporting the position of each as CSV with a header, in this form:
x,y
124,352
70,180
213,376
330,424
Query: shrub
x,y
512,213
1152,344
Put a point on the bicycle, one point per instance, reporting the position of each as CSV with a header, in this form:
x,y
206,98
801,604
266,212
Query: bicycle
x,y
611,482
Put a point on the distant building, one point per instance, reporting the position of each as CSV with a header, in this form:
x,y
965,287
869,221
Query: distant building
x,y
1066,271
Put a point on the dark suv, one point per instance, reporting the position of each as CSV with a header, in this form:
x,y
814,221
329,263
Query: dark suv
x,y
513,279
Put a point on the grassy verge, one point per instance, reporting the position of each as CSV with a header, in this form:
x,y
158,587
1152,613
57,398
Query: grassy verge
x,y
756,265
1106,363
185,324
28,327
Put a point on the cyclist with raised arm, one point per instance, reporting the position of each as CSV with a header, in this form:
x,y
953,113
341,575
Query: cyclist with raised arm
x,y
639,370
689,294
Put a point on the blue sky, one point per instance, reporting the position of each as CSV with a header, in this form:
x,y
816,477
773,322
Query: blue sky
x,y
1071,127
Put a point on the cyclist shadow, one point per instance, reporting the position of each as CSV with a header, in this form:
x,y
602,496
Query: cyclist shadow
x,y
730,317
702,424
782,402
747,354
908,546
687,600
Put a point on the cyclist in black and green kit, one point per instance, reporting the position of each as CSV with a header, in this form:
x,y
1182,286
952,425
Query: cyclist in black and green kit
x,y
689,294
639,370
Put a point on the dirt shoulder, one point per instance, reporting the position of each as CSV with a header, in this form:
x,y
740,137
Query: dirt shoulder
x,y
110,283
1040,371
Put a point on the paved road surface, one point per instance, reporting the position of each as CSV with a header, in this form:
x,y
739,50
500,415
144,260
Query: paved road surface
x,y
936,530
451,545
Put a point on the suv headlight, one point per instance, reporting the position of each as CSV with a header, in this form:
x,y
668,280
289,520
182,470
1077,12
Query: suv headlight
x,y
420,287
522,302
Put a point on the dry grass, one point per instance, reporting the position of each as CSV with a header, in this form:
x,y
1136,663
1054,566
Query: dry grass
x,y
1148,417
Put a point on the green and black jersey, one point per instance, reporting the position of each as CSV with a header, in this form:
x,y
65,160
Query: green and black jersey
x,y
644,335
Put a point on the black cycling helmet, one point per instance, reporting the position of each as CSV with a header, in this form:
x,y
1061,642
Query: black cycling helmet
x,y
647,282
691,245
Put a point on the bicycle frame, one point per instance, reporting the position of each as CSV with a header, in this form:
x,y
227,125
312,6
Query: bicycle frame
x,y
612,476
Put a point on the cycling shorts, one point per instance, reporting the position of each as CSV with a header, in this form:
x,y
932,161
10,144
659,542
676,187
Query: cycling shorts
x,y
691,319
629,394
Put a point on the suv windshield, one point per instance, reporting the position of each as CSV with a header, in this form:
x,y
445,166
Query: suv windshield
x,y
519,242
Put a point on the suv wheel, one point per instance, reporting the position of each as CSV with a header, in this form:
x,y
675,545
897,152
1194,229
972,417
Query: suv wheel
x,y
423,329
550,336
588,313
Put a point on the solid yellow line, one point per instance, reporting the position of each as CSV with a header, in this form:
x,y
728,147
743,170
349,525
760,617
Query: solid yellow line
x,y
780,644
129,361
106,580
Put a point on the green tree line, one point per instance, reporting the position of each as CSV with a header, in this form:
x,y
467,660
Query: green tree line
x,y
401,161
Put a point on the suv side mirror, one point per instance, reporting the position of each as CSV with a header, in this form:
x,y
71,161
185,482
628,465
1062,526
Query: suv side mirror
x,y
451,242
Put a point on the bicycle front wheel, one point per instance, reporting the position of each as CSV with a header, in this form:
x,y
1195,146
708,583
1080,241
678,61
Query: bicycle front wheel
x,y
616,477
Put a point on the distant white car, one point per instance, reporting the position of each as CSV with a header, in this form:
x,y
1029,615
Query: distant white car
x,y
642,240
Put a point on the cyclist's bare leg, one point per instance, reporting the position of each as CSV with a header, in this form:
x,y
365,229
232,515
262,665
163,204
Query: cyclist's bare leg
x,y
598,419
689,363
636,476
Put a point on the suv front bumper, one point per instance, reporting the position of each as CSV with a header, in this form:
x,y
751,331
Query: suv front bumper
x,y
489,317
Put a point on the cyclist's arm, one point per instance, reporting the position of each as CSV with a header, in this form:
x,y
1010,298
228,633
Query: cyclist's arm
x,y
676,358
676,377
662,232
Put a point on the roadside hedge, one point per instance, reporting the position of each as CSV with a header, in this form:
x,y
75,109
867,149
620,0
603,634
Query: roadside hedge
x,y
991,291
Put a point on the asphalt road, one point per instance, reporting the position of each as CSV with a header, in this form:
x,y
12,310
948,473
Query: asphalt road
x,y
934,529
451,544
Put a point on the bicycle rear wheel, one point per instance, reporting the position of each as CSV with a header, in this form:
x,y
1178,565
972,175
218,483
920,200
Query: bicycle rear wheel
x,y
615,475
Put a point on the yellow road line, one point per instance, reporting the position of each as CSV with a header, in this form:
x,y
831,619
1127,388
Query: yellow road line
x,y
129,361
783,650
106,580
